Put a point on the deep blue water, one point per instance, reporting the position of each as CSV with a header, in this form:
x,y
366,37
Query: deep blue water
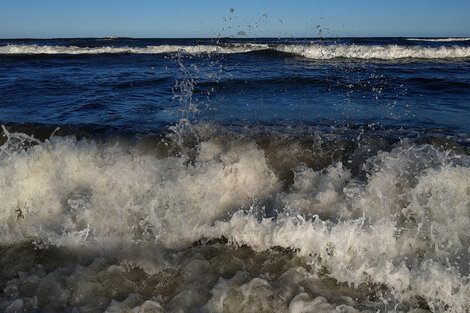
x,y
413,84
235,175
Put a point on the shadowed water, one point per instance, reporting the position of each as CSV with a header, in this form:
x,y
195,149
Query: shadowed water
x,y
266,175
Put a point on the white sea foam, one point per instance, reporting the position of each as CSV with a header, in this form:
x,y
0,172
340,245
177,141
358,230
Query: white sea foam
x,y
387,52
160,49
450,39
406,227
310,51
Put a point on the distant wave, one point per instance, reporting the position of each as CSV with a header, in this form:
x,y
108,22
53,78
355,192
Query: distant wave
x,y
160,49
382,52
450,39
310,51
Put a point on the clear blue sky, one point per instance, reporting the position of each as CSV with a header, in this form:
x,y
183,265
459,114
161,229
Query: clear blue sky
x,y
204,18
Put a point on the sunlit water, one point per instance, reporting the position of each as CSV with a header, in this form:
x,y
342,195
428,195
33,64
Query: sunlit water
x,y
235,176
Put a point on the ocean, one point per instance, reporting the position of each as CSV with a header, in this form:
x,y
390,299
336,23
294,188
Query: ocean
x,y
235,175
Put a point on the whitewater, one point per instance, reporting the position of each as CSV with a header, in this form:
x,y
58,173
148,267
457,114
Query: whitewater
x,y
310,51
397,231
267,175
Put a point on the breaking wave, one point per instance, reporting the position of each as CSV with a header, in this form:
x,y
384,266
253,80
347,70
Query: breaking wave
x,y
450,39
160,49
310,51
277,224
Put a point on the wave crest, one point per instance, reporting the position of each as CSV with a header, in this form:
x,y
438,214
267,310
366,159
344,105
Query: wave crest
x,y
450,39
310,51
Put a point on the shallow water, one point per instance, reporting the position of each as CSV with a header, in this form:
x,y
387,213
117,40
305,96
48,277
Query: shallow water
x,y
185,181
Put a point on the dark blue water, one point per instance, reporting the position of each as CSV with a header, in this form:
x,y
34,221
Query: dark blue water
x,y
226,175
129,84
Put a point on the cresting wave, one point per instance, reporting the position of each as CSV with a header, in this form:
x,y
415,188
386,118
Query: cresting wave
x,y
310,51
160,49
450,39
316,224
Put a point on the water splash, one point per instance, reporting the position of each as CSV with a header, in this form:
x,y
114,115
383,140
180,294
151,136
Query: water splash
x,y
15,142
183,93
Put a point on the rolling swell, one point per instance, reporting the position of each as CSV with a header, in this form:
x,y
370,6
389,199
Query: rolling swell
x,y
308,51
455,39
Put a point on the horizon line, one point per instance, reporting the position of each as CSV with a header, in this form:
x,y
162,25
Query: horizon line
x,y
229,37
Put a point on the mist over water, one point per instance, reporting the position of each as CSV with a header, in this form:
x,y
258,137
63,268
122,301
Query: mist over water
x,y
258,175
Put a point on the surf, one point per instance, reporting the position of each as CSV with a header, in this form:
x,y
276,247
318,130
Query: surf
x,y
309,51
399,222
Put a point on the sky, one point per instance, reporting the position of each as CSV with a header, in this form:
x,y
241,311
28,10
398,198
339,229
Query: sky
x,y
204,18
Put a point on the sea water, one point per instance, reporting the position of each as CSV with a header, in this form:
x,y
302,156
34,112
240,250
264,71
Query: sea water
x,y
225,175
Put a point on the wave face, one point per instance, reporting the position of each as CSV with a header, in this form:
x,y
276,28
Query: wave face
x,y
309,51
235,223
